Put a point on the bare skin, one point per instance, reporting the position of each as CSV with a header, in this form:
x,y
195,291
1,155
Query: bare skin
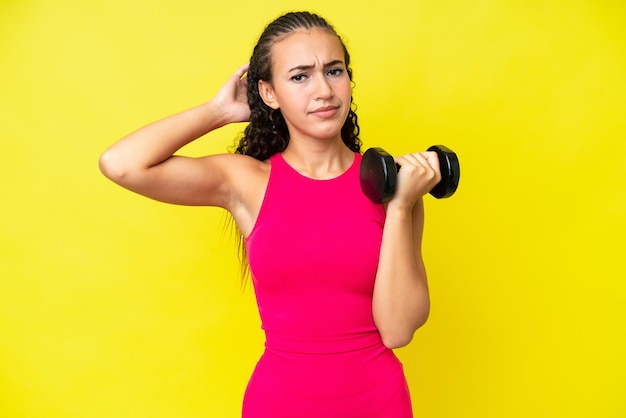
x,y
311,87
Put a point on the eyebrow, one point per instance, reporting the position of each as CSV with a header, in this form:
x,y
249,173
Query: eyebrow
x,y
308,67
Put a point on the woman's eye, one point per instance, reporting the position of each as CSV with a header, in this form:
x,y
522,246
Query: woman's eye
x,y
298,77
335,71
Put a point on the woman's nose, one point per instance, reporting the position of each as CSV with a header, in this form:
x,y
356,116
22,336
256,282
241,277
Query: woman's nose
x,y
323,90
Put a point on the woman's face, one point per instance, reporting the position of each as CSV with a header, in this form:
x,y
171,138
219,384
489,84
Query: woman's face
x,y
310,84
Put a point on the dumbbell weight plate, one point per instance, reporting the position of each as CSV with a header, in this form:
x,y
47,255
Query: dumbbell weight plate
x,y
379,175
450,172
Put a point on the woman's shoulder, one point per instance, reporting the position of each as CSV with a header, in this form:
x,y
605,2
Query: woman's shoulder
x,y
242,172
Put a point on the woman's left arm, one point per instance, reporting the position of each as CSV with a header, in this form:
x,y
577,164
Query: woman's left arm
x,y
401,302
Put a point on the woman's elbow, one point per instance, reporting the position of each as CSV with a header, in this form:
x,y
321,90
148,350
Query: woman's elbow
x,y
396,341
402,336
111,167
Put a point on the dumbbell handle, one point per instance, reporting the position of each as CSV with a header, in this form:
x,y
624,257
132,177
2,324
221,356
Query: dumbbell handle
x,y
379,174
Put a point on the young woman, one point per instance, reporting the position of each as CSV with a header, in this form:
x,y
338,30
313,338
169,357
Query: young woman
x,y
339,280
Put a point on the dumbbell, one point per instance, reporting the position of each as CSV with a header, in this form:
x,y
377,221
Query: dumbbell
x,y
379,174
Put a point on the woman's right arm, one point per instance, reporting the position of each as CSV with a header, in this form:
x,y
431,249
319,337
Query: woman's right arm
x,y
144,160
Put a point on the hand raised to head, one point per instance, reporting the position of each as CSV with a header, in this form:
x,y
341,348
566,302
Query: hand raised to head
x,y
232,97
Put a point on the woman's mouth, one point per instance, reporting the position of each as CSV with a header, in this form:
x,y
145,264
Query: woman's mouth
x,y
325,112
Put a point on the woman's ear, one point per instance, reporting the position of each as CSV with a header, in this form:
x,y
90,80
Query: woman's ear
x,y
267,94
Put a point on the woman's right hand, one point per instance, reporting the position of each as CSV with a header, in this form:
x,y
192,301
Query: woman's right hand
x,y
232,97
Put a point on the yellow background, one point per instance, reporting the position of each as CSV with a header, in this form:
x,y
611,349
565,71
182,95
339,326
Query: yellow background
x,y
112,305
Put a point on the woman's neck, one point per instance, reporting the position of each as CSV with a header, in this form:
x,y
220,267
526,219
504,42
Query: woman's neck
x,y
320,159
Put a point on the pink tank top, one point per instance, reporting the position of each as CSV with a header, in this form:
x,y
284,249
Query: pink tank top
x,y
313,255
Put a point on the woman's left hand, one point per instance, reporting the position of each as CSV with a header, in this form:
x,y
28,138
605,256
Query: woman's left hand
x,y
418,174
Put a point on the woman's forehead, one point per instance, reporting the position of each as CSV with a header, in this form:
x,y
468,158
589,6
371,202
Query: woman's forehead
x,y
314,46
